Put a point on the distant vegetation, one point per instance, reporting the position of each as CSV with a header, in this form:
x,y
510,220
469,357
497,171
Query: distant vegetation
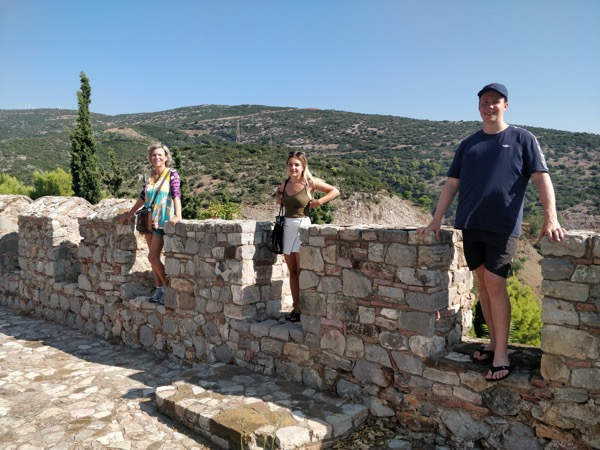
x,y
231,156
241,150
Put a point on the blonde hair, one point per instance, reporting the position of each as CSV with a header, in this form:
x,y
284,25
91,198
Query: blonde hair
x,y
308,177
156,146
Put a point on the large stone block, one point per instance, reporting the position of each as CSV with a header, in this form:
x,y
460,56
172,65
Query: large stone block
x,y
408,363
356,284
311,259
566,290
587,378
573,244
568,342
419,322
427,347
436,256
422,301
300,354
557,269
586,274
335,341
329,285
423,277
368,372
401,255
340,307
559,312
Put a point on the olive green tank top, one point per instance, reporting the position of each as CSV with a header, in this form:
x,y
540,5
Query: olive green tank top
x,y
296,206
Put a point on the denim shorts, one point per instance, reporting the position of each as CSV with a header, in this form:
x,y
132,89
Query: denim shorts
x,y
158,231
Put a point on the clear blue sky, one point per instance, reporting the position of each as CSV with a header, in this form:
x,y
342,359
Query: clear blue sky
x,y
423,59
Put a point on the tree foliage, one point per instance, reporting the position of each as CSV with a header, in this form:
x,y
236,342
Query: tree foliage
x,y
85,170
526,322
112,173
57,182
222,209
11,186
322,214
190,204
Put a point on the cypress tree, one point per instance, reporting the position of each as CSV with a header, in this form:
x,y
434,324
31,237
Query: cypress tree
x,y
85,170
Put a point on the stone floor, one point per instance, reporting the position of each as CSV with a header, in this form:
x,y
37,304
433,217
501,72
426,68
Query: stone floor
x,y
236,407
61,389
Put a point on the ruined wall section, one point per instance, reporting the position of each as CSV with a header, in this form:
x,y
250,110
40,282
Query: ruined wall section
x,y
382,310
571,311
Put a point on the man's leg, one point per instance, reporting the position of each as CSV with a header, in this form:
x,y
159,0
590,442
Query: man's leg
x,y
484,301
497,317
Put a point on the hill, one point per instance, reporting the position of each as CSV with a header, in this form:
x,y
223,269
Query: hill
x,y
242,149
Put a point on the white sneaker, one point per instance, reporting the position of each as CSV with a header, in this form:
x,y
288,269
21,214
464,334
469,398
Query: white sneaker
x,y
158,296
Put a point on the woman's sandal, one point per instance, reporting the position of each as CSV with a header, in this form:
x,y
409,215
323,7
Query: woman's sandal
x,y
295,316
489,356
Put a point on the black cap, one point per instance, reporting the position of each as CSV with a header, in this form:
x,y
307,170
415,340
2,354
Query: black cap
x,y
494,87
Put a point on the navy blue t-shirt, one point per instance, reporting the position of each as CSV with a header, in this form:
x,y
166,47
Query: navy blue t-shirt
x,y
494,170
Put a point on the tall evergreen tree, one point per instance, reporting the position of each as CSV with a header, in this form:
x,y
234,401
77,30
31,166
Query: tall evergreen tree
x,y
85,170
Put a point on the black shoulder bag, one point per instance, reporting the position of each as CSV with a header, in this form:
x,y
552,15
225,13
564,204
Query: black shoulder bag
x,y
275,242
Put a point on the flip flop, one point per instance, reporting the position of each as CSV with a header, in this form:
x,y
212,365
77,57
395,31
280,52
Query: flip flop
x,y
487,360
295,317
510,368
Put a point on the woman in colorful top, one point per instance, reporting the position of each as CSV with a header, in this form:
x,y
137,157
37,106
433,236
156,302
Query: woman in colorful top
x,y
162,187
297,196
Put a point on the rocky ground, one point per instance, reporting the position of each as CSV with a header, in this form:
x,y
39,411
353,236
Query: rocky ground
x,y
359,209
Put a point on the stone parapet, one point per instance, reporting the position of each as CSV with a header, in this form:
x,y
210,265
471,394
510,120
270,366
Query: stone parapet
x,y
11,206
571,311
382,311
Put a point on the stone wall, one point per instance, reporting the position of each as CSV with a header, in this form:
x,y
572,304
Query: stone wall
x,y
571,312
11,206
383,313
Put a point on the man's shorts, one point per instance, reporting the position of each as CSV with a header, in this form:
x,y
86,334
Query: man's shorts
x,y
495,251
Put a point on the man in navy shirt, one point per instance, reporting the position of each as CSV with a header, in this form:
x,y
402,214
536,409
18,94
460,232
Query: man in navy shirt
x,y
490,172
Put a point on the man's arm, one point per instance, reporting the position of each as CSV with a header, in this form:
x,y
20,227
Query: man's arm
x,y
550,226
446,197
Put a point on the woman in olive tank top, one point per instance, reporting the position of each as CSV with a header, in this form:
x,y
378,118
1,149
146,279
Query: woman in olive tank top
x,y
296,194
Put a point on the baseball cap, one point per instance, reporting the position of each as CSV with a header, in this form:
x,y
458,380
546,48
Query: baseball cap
x,y
494,87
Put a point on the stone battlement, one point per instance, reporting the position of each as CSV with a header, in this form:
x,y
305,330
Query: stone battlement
x,y
383,313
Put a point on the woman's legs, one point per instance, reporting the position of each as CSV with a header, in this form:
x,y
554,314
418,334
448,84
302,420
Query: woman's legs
x,y
155,246
293,262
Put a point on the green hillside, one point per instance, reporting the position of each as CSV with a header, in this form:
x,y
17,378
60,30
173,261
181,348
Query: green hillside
x,y
242,149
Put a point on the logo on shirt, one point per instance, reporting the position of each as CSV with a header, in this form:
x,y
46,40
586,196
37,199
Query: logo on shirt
x,y
505,146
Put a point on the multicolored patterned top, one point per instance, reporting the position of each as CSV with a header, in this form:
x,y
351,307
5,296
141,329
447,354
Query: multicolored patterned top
x,y
163,209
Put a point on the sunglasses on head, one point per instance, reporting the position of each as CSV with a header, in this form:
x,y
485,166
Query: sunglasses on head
x,y
296,154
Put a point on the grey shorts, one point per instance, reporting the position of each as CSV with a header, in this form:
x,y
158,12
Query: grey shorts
x,y
495,251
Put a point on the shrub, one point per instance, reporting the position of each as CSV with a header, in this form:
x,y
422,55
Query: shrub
x,y
11,186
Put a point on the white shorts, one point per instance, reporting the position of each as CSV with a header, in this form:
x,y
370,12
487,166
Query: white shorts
x,y
291,234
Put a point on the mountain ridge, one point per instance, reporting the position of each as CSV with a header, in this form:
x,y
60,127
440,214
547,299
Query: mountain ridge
x,y
399,155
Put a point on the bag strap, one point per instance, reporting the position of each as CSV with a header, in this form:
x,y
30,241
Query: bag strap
x,y
157,191
282,195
